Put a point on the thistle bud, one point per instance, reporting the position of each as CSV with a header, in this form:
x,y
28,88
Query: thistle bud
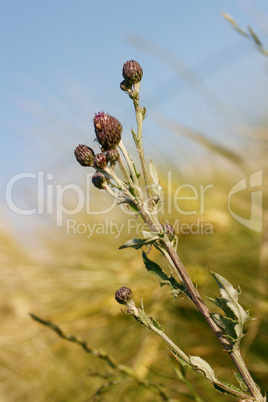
x,y
84,155
132,72
99,180
112,156
123,295
134,95
125,86
100,161
108,130
169,230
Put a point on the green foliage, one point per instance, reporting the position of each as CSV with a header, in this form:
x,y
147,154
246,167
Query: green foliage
x,y
203,368
163,278
235,316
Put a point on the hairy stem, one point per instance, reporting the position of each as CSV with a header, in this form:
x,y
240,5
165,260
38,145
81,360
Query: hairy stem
x,y
145,320
130,164
123,169
138,140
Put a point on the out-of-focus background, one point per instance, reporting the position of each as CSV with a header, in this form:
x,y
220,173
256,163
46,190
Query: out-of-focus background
x,y
205,90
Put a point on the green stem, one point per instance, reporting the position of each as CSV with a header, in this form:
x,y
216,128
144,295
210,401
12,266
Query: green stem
x,y
124,170
243,370
130,163
138,140
145,320
121,185
196,298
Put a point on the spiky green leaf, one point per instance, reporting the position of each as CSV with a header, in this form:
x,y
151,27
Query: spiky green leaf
x,y
235,315
137,243
203,368
227,325
163,278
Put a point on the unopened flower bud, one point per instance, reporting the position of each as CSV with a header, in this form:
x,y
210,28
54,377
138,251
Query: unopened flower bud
x,y
108,130
112,156
84,155
125,86
133,95
100,161
169,230
132,72
99,180
123,295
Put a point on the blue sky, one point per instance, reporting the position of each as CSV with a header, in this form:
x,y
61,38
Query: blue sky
x,y
61,62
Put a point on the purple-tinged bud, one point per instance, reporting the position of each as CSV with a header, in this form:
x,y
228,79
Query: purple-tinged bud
x,y
100,161
169,230
99,180
132,72
123,295
125,86
108,130
112,156
84,155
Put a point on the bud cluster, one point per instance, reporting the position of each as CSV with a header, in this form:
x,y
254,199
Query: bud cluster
x,y
108,134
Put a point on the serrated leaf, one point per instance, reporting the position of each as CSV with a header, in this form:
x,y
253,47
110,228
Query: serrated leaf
x,y
227,324
151,235
157,271
135,243
229,301
203,368
221,303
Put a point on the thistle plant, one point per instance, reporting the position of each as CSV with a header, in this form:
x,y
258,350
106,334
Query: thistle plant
x,y
140,192
228,327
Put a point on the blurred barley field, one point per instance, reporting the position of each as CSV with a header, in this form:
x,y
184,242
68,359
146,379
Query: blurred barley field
x,y
72,279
